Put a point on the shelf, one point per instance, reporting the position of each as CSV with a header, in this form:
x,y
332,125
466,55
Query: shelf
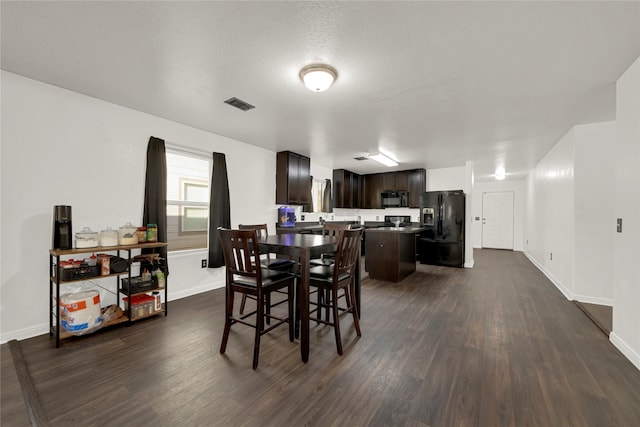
x,y
122,291
84,279
57,276
144,316
65,334
58,252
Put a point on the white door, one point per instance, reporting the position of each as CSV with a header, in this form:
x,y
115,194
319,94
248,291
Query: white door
x,y
497,220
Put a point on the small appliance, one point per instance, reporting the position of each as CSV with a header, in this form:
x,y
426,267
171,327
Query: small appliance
x,y
62,233
395,199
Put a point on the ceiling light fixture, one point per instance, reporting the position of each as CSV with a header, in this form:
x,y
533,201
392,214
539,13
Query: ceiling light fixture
x,y
500,174
379,157
318,77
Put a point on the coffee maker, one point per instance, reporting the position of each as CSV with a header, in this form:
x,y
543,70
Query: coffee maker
x,y
62,227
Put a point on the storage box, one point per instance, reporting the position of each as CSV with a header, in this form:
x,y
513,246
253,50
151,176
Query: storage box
x,y
141,305
77,273
138,285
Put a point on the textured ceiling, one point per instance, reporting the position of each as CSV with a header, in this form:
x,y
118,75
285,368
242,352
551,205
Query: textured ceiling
x,y
433,83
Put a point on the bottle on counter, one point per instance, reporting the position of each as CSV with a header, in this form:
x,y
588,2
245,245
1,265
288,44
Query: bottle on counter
x,y
157,301
142,234
152,233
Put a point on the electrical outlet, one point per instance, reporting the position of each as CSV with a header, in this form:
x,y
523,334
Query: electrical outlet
x,y
204,263
551,256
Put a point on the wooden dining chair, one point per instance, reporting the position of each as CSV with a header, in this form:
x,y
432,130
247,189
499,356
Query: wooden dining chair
x,y
268,261
329,229
329,280
245,274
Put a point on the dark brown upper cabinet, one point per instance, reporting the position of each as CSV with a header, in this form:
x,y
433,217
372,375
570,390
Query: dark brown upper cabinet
x,y
347,189
373,184
293,179
417,183
414,181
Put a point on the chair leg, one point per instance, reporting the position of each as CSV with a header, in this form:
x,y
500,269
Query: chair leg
x,y
336,319
242,303
291,314
354,309
227,321
268,308
259,329
326,310
319,306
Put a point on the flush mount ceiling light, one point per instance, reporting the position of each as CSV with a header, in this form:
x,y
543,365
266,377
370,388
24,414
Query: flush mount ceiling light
x,y
379,157
318,77
500,174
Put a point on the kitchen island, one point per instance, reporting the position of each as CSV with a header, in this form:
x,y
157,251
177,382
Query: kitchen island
x,y
391,252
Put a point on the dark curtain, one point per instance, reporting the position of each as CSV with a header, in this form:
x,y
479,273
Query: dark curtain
x,y
327,205
219,209
155,192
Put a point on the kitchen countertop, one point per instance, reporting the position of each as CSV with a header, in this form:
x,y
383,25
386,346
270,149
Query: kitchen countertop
x,y
404,230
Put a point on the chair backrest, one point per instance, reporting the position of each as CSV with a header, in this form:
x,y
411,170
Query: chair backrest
x,y
347,253
241,254
261,229
331,229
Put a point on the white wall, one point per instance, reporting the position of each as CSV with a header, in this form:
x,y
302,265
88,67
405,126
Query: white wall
x,y
518,189
549,214
626,252
61,147
594,212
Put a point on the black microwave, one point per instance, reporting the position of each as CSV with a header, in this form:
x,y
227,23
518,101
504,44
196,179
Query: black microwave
x,y
395,199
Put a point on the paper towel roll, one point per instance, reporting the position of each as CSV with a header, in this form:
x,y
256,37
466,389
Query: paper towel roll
x,y
80,312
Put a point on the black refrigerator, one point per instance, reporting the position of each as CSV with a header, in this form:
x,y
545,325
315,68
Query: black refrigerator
x,y
441,242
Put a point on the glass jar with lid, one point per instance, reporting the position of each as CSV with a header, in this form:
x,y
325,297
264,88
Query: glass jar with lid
x,y
128,234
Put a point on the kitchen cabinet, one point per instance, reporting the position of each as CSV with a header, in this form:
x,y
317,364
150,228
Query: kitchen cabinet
x,y
402,180
391,254
363,191
293,179
346,189
371,191
60,278
389,181
417,183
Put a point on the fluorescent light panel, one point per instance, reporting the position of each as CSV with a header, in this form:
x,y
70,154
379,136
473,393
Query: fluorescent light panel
x,y
378,157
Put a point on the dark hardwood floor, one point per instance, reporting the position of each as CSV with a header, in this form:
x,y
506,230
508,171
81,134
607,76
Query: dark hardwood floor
x,y
496,345
601,315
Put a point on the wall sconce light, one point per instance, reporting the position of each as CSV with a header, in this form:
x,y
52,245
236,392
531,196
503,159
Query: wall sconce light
x,y
379,157
500,174
318,77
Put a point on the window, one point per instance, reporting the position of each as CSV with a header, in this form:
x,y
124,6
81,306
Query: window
x,y
317,193
188,178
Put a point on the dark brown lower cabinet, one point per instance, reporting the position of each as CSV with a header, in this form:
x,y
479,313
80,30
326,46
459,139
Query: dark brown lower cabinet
x,y
390,255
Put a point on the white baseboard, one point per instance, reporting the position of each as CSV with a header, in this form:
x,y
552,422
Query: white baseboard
x,y
625,349
196,290
469,264
594,300
565,291
23,334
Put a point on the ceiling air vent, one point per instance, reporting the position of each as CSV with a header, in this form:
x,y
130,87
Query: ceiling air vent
x,y
360,158
238,103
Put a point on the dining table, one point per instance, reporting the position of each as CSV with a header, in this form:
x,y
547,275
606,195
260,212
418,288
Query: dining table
x,y
303,248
